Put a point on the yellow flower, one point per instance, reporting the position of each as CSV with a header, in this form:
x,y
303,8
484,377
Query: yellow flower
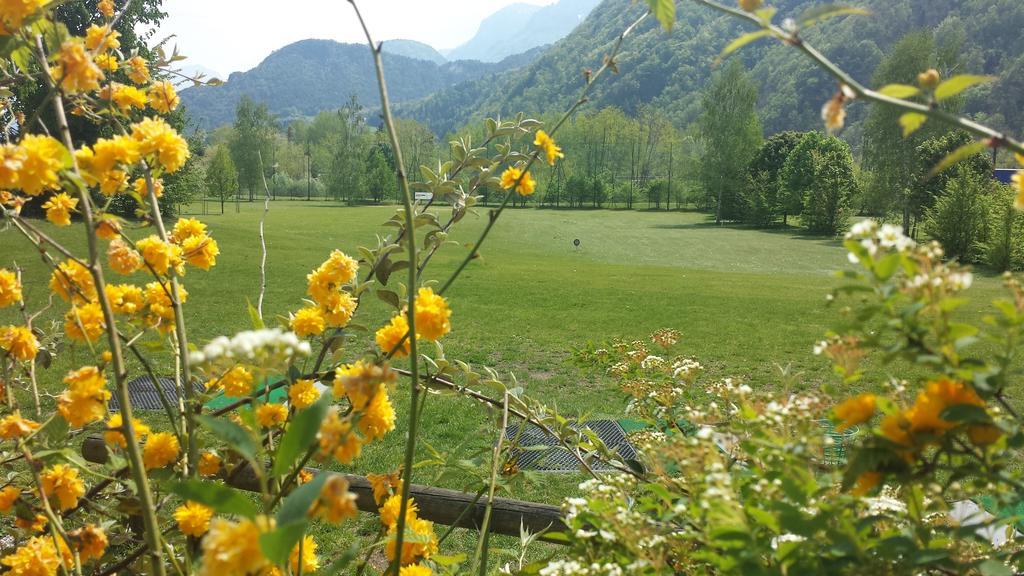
x,y
102,38
432,315
551,150
231,548
855,411
159,255
59,207
186,228
19,342
14,426
338,308
7,498
123,258
272,414
75,68
161,309
106,7
86,398
237,382
138,70
163,98
896,428
11,159
335,503
84,322
303,393
415,570
925,415
43,157
127,97
115,437
142,189
512,175
1018,184
338,439
209,464
102,164
10,288
379,417
63,482
107,62
201,251
108,228
308,321
160,450
361,381
339,269
310,563
383,484
125,298
90,541
73,282
391,334
159,142
14,12
392,507
423,546
32,525
866,482
193,518
37,557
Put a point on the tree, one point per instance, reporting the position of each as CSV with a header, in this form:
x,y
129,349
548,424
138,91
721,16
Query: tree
x,y
888,156
1005,247
827,203
766,190
928,187
732,134
799,171
959,219
221,176
380,176
253,136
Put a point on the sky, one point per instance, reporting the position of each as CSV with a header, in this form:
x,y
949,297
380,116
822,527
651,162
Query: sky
x,y
225,36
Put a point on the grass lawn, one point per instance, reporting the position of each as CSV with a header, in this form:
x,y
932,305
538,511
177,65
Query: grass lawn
x,y
744,300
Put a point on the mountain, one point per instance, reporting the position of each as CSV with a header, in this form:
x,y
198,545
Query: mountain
x,y
310,76
670,70
519,27
415,50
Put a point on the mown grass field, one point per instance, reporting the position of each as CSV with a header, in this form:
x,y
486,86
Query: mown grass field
x,y
745,301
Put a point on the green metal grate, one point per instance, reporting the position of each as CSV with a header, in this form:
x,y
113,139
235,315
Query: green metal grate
x,y
835,453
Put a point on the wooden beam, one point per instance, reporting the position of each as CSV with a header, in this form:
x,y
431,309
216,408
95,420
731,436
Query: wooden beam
x,y
439,505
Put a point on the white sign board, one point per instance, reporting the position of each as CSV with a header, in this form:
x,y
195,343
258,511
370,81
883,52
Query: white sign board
x,y
424,195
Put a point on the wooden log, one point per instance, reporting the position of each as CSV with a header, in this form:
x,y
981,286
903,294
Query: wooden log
x,y
439,505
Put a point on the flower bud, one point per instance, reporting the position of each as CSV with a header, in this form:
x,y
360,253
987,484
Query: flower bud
x,y
750,5
929,79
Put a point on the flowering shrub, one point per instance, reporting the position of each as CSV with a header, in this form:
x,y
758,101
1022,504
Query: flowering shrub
x,y
742,482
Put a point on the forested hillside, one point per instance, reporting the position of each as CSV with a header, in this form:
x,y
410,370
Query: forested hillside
x,y
310,76
670,72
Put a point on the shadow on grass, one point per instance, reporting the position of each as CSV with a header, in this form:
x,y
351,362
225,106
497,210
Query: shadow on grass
x,y
789,231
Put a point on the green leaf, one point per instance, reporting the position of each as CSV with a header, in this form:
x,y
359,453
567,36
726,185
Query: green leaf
x,y
962,153
254,316
741,42
993,567
664,11
295,506
821,13
237,438
301,434
958,84
902,91
968,413
341,563
221,498
911,121
278,543
390,297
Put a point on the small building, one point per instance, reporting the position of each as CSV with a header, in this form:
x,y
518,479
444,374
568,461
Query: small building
x,y
1005,175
